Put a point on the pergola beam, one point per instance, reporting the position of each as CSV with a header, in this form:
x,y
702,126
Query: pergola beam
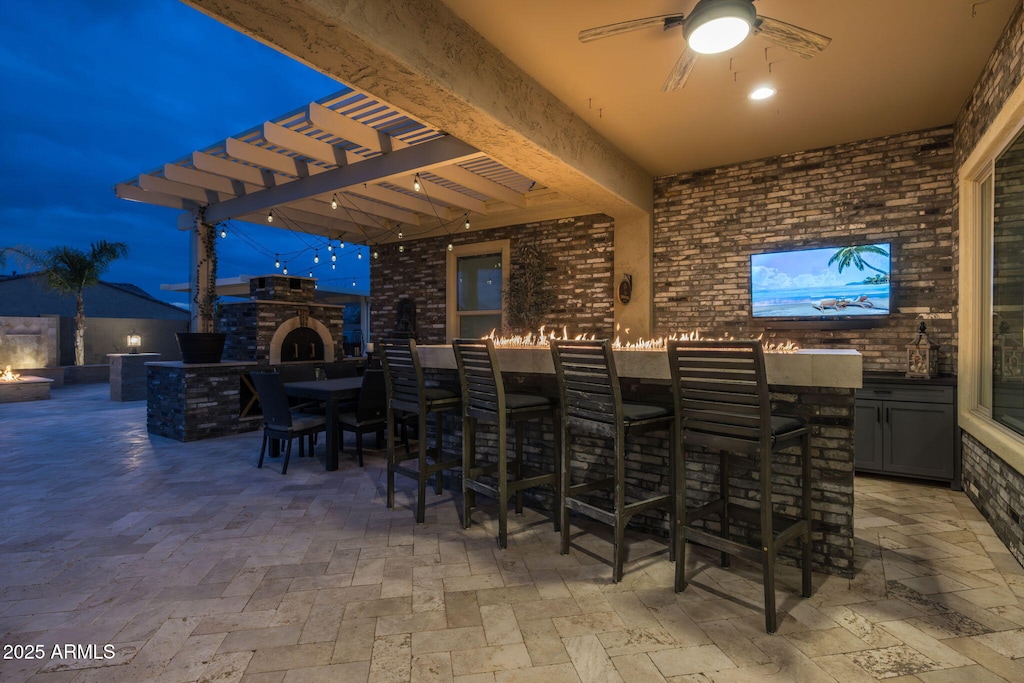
x,y
351,130
439,152
233,169
484,186
277,134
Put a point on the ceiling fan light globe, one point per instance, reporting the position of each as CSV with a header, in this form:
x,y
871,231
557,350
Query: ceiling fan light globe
x,y
718,25
718,35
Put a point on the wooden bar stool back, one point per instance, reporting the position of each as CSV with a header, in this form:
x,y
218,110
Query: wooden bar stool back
x,y
722,400
592,405
484,400
408,395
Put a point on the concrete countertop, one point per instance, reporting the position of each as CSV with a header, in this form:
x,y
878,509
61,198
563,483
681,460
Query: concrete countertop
x,y
841,368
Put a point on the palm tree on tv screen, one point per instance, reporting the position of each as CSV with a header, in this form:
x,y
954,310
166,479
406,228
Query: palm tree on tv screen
x,y
69,271
853,256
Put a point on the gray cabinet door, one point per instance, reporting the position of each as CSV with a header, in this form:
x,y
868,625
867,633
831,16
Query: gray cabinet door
x,y
919,439
867,436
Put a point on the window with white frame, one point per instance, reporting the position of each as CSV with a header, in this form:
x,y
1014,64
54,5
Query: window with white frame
x,y
477,278
990,374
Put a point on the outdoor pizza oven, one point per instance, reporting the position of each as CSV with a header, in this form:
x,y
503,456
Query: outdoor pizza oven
x,y
302,343
282,323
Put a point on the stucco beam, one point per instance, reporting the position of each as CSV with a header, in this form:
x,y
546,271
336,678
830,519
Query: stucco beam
x,y
419,56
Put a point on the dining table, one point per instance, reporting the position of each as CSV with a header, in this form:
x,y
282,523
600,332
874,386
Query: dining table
x,y
334,393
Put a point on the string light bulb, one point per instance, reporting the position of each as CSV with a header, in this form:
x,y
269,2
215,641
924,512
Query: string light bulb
x,y
341,245
467,221
450,246
401,248
359,256
270,216
285,270
353,283
334,257
329,245
333,266
223,233
316,256
416,183
376,254
334,201
311,273
277,261
400,235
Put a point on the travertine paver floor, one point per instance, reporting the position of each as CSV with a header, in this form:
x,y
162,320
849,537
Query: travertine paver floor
x,y
193,565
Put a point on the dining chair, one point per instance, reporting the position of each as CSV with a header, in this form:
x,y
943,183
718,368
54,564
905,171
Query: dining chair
x,y
279,420
369,413
721,396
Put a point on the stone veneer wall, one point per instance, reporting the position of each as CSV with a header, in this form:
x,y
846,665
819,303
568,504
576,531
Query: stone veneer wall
x,y
895,189
250,326
580,270
995,488
191,403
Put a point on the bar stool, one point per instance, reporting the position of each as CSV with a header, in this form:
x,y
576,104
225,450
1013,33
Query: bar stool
x,y
592,405
484,400
722,401
408,395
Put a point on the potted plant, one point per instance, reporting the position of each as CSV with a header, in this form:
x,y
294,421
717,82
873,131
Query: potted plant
x,y
203,344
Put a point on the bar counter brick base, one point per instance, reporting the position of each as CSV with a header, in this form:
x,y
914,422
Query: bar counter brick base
x,y
830,411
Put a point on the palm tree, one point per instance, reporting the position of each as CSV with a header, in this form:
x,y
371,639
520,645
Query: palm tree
x,y
69,271
853,256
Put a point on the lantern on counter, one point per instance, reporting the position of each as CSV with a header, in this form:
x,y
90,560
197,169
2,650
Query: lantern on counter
x,y
922,356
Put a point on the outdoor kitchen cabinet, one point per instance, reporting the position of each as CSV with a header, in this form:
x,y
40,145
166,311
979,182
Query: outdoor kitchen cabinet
x,y
908,428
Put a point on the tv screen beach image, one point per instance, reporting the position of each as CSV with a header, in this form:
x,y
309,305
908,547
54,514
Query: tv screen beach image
x,y
837,281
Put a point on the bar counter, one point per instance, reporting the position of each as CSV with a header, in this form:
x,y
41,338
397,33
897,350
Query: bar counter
x,y
816,384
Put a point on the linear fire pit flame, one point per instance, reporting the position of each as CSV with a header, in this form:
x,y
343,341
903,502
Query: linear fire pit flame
x,y
9,376
542,339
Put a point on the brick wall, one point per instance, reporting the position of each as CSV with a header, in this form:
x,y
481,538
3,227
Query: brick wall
x,y
896,189
995,488
579,252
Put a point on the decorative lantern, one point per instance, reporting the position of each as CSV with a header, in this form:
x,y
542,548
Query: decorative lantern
x,y
922,356
133,341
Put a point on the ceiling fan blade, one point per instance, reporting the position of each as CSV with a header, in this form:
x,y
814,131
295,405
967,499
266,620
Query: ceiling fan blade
x,y
599,32
801,41
681,71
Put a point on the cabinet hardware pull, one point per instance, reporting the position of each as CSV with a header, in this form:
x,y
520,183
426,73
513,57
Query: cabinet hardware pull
x,y
888,414
878,415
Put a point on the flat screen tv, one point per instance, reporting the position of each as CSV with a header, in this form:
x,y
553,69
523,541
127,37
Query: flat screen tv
x,y
847,282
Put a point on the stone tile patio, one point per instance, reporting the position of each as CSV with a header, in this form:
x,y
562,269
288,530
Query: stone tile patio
x,y
193,565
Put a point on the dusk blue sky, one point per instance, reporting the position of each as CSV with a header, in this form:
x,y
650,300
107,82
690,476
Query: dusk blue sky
x,y
95,92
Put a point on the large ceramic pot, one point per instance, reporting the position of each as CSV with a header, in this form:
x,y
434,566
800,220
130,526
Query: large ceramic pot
x,y
201,347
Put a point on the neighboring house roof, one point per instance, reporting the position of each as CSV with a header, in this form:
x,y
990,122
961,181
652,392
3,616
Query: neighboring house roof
x,y
27,295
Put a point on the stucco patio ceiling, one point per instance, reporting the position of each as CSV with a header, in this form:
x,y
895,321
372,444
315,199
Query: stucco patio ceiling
x,y
345,167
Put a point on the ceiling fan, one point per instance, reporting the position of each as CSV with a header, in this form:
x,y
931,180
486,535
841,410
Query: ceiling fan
x,y
715,26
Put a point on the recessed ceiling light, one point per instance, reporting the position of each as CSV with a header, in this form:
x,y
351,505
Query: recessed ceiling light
x,y
762,93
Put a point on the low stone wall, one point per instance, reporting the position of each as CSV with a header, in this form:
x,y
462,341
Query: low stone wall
x,y
191,402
